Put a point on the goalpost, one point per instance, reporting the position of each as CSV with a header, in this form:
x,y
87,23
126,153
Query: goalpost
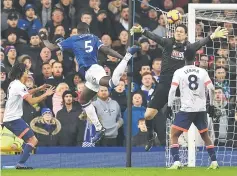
x,y
209,16
206,14
192,10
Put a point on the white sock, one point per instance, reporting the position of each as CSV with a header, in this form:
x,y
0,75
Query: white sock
x,y
119,70
91,114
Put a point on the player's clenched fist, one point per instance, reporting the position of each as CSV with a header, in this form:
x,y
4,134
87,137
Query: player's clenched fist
x,y
136,29
43,35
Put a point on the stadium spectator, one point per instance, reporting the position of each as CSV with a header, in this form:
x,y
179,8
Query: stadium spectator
x,y
11,54
46,72
138,112
3,98
57,18
69,11
4,80
57,100
122,23
140,139
108,111
72,131
6,9
154,51
156,68
45,11
74,32
221,81
118,94
57,74
12,22
46,128
104,24
146,86
87,17
30,22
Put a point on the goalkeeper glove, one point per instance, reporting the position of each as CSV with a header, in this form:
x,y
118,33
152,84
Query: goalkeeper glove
x,y
219,33
136,29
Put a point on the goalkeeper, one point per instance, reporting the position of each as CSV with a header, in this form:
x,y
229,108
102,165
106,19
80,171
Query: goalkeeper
x,y
172,59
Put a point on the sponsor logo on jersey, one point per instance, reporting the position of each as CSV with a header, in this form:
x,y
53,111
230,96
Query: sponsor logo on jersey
x,y
177,55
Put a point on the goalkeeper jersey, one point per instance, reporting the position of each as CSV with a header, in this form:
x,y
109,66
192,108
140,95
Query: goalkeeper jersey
x,y
173,53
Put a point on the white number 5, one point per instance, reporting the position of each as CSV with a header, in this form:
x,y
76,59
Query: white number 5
x,y
88,47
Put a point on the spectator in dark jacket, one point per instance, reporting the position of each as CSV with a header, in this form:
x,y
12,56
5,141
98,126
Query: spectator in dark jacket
x,y
10,60
46,128
72,131
12,22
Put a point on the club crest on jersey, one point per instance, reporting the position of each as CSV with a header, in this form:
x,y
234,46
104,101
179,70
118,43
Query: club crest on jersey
x,y
177,55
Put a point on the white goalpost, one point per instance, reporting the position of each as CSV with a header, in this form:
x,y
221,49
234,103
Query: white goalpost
x,y
192,8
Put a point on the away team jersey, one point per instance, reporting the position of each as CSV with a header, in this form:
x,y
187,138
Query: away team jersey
x,y
85,47
192,82
14,106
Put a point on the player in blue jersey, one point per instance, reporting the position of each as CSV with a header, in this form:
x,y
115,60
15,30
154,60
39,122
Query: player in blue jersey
x,y
85,47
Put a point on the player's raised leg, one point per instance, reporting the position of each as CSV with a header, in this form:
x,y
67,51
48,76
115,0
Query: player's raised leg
x,y
157,102
120,69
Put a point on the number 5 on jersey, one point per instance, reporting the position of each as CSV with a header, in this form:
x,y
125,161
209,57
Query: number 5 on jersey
x,y
88,47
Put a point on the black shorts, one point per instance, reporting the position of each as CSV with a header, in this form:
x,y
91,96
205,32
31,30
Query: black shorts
x,y
160,96
183,121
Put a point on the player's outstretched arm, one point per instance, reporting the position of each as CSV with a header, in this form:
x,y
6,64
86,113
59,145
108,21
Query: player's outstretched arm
x,y
43,36
38,99
110,52
138,29
41,88
218,33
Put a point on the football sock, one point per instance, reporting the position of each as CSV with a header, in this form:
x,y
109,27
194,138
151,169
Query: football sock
x,y
26,153
91,114
149,125
175,152
211,152
119,70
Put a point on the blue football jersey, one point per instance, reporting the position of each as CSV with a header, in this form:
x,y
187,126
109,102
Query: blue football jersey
x,y
85,48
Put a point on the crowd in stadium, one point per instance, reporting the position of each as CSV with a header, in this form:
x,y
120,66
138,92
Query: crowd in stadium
x,y
59,120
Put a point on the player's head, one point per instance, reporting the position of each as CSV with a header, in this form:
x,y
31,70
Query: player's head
x,y
83,28
189,55
19,72
180,33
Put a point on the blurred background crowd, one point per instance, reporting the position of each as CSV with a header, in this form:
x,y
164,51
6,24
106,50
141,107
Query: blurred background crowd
x,y
59,121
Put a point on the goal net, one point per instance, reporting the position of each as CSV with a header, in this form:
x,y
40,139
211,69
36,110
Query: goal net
x,y
219,58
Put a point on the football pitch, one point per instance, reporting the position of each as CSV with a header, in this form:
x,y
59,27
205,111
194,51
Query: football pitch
x,y
223,171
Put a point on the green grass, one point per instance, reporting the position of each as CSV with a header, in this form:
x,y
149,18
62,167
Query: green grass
x,y
223,171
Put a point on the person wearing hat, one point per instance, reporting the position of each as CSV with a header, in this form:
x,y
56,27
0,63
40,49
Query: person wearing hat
x,y
10,52
72,131
104,24
12,21
7,7
30,22
46,128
